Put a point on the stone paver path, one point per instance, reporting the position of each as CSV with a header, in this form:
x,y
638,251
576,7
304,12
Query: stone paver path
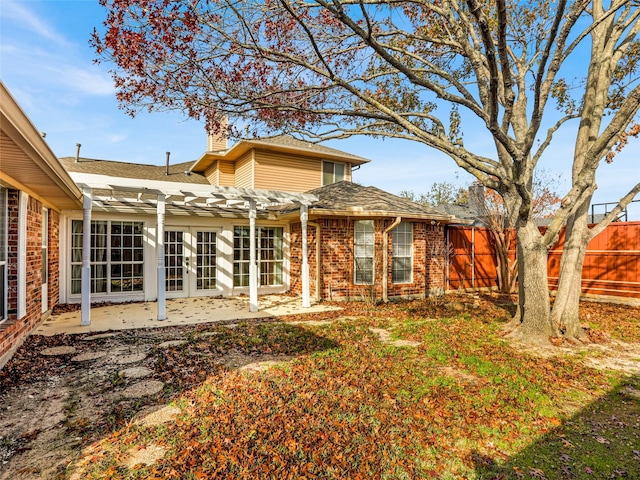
x,y
172,343
99,336
88,356
145,388
135,372
132,358
57,351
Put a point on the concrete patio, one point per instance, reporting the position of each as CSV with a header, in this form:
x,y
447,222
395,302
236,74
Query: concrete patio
x,y
183,311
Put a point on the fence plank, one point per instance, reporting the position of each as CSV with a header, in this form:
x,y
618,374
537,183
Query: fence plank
x,y
611,266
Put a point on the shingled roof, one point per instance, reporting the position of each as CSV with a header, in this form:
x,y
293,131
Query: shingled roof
x,y
351,199
288,141
133,170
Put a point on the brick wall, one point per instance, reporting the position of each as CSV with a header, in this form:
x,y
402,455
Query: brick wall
x,y
14,331
336,261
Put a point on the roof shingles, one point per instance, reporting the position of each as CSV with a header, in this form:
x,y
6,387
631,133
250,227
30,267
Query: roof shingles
x,y
350,197
134,170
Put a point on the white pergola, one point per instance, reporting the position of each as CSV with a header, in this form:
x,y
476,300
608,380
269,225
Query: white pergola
x,y
100,190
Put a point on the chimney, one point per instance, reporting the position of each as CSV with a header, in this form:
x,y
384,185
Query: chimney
x,y
476,198
78,152
217,141
167,170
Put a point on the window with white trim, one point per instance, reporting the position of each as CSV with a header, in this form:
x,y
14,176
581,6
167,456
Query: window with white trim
x,y
117,256
402,253
269,256
332,172
363,251
4,214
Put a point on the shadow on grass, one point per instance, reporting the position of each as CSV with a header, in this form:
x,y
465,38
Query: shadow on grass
x,y
601,441
91,399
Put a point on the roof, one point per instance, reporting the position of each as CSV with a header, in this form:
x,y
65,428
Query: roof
x,y
133,170
350,199
281,144
26,161
461,211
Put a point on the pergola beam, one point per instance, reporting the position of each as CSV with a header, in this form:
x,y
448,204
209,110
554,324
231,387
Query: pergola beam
x,y
163,195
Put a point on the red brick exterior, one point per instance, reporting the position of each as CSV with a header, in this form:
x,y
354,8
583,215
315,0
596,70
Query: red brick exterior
x,y
337,265
14,330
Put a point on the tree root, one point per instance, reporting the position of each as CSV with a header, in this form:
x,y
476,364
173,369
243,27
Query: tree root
x,y
534,340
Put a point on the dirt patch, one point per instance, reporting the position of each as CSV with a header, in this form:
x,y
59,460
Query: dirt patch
x,y
612,355
385,337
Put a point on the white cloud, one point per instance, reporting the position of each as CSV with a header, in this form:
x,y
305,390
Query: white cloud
x,y
22,15
115,138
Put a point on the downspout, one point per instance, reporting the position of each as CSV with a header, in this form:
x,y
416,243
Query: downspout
x,y
317,227
385,258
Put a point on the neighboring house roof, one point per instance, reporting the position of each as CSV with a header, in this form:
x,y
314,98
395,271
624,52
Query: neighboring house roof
x,y
26,161
596,218
465,212
177,171
350,199
282,144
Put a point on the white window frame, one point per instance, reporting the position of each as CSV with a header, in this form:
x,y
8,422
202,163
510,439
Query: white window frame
x,y
107,262
401,252
363,252
261,260
333,174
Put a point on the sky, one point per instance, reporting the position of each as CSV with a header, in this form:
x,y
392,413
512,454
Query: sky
x,y
47,64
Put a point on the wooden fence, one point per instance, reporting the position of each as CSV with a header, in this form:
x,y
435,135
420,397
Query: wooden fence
x,y
611,266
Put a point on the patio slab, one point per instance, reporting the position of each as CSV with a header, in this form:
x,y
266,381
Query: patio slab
x,y
183,311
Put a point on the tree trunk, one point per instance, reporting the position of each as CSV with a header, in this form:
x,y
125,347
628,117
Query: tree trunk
x,y
533,300
565,313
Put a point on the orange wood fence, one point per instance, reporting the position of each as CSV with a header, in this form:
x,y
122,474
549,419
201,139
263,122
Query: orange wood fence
x,y
611,265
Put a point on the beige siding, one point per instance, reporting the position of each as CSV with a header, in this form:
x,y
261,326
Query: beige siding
x,y
347,172
226,173
212,174
274,171
244,171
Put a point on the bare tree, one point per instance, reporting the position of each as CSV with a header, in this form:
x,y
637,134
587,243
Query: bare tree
x,y
325,69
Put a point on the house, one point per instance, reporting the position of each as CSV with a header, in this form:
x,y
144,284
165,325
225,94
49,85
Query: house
x,y
203,211
262,216
34,190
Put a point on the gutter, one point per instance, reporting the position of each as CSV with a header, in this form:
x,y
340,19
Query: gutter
x,y
385,258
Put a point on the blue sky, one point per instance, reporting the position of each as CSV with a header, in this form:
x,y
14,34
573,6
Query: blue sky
x,y
47,64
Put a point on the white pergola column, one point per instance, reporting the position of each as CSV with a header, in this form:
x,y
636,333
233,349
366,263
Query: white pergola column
x,y
87,198
253,266
162,306
304,218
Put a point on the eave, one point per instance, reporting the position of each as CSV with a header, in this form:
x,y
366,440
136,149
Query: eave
x,y
27,163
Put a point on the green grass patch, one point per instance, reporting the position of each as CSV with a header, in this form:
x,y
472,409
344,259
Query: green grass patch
x,y
463,404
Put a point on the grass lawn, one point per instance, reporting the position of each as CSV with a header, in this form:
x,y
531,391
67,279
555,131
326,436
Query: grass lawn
x,y
349,404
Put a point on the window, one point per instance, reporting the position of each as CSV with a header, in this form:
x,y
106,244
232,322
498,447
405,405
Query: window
x,y
206,260
402,253
3,253
332,172
117,257
269,256
363,243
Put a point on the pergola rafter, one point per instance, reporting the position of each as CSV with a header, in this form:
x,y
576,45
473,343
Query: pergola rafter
x,y
103,191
